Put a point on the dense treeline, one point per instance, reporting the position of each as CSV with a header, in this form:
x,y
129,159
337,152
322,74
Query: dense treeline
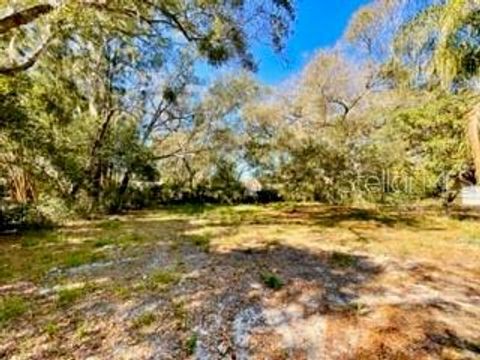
x,y
103,106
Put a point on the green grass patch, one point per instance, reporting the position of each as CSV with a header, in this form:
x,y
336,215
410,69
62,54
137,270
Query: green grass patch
x,y
121,291
67,297
11,308
102,242
189,209
81,257
123,240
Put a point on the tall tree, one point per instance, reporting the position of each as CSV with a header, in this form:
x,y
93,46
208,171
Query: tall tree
x,y
440,45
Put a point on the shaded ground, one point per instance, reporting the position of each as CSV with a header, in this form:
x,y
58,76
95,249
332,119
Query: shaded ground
x,y
277,282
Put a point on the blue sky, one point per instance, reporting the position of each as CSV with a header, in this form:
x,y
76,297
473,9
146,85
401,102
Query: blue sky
x,y
320,23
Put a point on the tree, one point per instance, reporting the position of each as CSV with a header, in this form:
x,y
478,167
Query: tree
x,y
88,89
219,30
323,136
445,50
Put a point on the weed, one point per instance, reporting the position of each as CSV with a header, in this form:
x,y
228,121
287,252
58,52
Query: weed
x,y
30,241
34,238
83,329
123,240
130,238
271,280
191,344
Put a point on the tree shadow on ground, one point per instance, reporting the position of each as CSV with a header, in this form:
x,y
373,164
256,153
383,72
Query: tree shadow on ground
x,y
239,307
238,294
271,301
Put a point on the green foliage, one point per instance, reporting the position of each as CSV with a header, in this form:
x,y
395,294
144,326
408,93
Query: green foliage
x,y
434,134
113,116
71,140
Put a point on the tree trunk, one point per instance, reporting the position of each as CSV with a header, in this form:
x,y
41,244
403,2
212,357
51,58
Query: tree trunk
x,y
473,118
128,173
124,184
93,172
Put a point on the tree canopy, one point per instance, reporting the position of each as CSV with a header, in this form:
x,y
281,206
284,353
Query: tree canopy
x,y
103,106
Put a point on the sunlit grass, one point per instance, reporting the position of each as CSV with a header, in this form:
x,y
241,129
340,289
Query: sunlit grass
x,y
387,231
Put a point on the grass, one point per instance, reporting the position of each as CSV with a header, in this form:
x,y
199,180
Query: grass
x,y
123,240
390,231
11,308
200,241
217,235
67,297
144,320
180,314
31,239
51,329
110,224
162,279
81,257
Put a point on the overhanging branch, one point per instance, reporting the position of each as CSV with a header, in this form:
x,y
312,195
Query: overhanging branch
x,y
23,17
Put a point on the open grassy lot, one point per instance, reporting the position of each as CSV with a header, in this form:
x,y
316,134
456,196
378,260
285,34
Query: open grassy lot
x,y
283,281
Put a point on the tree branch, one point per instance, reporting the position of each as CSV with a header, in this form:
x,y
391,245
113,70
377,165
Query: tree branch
x,y
12,69
23,17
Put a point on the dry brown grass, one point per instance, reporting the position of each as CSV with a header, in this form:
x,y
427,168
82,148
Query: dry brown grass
x,y
357,283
